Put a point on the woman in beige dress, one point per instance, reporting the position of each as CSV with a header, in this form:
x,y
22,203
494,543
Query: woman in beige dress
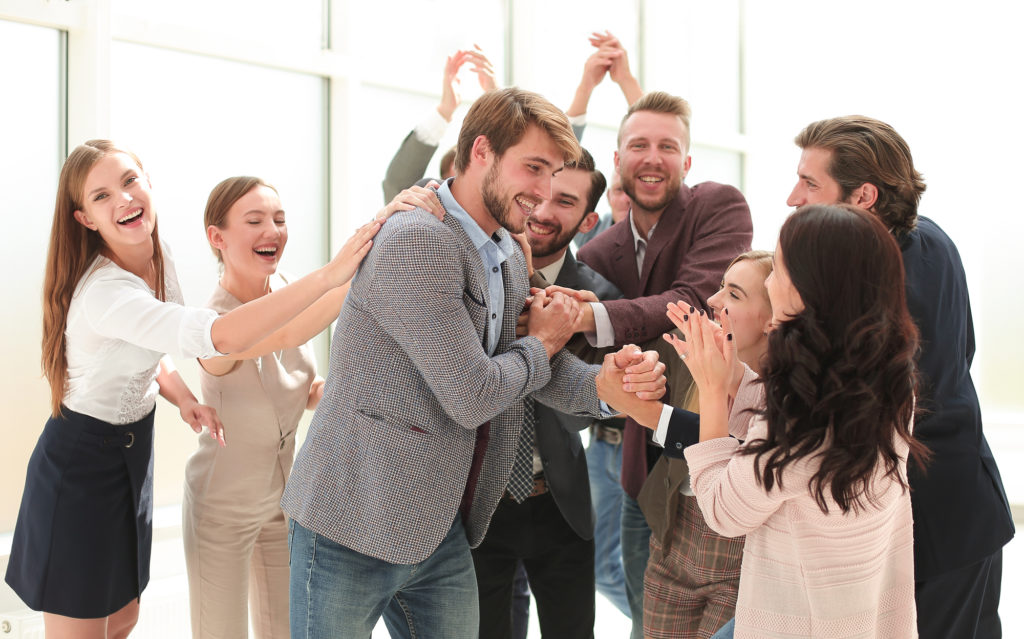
x,y
235,534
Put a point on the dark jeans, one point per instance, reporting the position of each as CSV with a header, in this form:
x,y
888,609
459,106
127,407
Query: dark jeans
x,y
559,566
963,603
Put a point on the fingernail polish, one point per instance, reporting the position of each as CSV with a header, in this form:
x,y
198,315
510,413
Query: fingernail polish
x,y
686,318
726,311
691,309
729,337
702,312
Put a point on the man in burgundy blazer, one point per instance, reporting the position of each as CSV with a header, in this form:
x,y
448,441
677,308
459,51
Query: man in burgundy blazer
x,y
675,245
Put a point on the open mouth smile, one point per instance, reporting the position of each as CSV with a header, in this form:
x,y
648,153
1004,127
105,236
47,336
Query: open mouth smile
x,y
131,217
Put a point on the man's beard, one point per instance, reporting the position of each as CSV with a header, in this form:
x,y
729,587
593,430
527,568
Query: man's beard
x,y
659,205
559,240
496,203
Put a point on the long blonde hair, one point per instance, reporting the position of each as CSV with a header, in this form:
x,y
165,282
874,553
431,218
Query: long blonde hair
x,y
72,250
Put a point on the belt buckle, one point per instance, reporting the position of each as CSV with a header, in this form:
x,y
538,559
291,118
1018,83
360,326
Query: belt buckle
x,y
540,486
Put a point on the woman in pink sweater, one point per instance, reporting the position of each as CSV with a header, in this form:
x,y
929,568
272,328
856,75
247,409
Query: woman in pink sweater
x,y
819,487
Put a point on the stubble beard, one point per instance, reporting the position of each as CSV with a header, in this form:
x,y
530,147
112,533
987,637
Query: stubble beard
x,y
674,184
497,204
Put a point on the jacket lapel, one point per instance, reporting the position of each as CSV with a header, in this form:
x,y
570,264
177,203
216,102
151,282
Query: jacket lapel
x,y
668,227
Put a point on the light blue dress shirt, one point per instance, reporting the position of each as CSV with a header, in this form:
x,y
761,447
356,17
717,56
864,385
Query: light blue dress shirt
x,y
493,249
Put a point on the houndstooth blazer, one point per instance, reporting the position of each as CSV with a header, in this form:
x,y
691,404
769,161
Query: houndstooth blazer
x,y
385,464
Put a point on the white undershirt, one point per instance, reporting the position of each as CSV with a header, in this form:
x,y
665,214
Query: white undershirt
x,y
604,334
117,332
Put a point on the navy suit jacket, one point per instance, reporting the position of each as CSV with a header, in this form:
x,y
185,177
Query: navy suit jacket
x,y
961,514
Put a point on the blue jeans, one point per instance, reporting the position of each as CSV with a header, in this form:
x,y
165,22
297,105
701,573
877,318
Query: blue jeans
x,y
725,632
636,548
338,593
604,465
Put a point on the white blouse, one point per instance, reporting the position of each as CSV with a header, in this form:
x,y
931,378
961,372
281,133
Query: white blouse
x,y
118,330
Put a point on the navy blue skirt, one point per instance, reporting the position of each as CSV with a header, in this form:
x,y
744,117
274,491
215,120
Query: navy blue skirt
x,y
85,528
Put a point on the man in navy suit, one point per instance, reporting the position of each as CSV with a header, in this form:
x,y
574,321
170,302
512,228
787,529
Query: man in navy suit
x,y
962,518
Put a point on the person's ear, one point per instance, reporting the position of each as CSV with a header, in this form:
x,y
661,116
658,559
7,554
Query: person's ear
x,y
865,196
215,237
84,220
481,152
590,220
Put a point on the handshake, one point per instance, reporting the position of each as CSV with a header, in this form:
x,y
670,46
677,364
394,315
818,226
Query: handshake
x,y
629,378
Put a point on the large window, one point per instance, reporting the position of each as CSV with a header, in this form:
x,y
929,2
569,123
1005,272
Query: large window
x,y
32,122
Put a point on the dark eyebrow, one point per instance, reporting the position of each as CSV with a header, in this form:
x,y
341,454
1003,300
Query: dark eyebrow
x,y
123,176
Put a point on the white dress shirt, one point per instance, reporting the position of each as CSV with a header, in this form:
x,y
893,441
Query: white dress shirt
x,y
117,332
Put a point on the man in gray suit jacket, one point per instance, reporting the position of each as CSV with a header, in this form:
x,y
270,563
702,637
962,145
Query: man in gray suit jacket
x,y
551,530
412,444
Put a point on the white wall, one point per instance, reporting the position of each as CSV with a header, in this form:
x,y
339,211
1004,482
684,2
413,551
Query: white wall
x,y
211,89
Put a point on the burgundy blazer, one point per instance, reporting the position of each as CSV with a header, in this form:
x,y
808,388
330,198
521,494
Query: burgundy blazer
x,y
700,232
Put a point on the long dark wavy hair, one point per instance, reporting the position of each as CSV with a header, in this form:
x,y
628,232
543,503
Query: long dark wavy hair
x,y
840,377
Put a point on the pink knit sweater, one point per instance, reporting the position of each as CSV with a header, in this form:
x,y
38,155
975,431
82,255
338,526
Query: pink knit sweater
x,y
805,573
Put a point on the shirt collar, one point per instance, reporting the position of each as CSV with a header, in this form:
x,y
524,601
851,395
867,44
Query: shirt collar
x,y
501,240
636,232
551,271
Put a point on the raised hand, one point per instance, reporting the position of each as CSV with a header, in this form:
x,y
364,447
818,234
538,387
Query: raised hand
x,y
618,69
482,67
450,96
711,365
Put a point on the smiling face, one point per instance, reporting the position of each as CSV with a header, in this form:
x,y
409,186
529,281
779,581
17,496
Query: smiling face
x,y
786,301
814,184
117,203
554,223
518,181
254,235
652,159
743,293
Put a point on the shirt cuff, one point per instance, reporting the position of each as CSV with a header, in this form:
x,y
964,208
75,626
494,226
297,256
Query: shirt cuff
x,y
605,335
431,129
578,120
606,410
659,434
203,339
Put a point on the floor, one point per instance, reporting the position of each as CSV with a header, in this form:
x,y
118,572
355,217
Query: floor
x,y
165,605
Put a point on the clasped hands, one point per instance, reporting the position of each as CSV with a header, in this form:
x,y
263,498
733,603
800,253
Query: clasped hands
x,y
707,349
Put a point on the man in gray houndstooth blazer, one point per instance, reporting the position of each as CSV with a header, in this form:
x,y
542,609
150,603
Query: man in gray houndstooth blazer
x,y
412,445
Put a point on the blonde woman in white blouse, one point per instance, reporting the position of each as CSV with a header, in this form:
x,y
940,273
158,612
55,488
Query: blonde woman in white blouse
x,y
112,309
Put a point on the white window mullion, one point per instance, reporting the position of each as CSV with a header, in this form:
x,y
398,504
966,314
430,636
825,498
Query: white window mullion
x,y
89,74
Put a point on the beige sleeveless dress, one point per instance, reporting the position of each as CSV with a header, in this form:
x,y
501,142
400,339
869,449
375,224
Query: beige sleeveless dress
x,y
235,534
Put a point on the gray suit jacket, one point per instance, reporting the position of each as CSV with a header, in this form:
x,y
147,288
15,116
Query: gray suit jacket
x,y
558,437
385,464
